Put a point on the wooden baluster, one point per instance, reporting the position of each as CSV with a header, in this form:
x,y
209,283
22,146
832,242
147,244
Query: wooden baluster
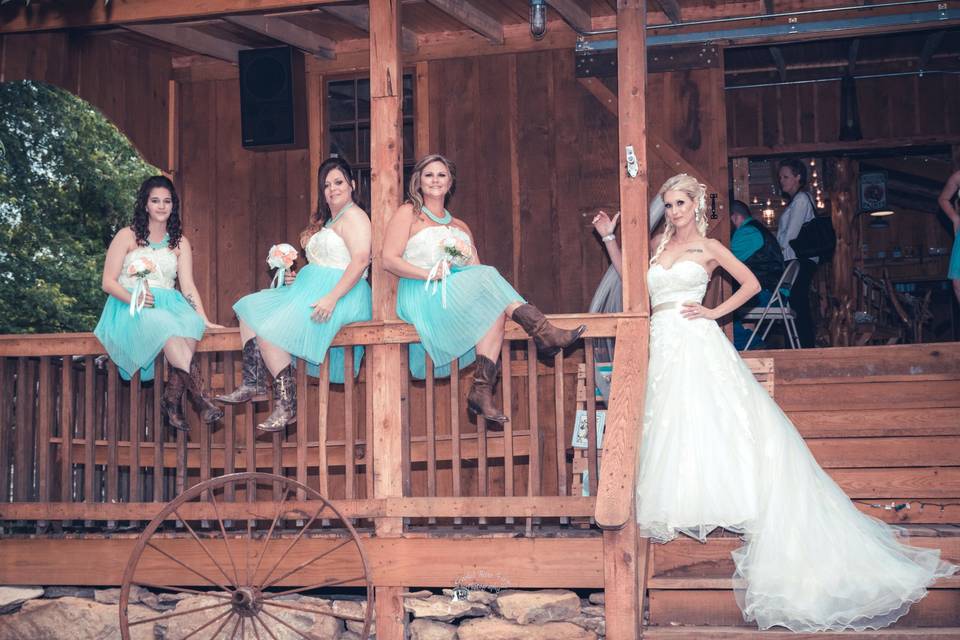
x,y
111,432
44,419
431,432
533,439
89,430
560,432
136,428
6,396
455,430
303,424
205,435
323,408
158,429
591,417
506,387
229,425
349,428
368,433
66,430
482,480
405,434
23,437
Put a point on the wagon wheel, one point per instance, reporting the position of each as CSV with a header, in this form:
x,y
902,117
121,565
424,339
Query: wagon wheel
x,y
246,577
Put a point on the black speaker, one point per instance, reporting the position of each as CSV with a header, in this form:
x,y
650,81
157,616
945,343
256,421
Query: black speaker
x,y
272,100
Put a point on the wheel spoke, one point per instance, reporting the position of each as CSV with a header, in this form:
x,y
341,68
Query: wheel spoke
x,y
226,615
265,627
328,612
253,625
226,544
239,625
174,614
243,629
266,540
247,550
326,583
306,564
188,568
281,621
166,587
203,546
296,539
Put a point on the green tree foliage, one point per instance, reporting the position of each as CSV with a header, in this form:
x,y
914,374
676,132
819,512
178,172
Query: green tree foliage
x,y
68,179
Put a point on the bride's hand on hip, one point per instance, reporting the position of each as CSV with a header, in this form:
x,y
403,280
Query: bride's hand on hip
x,y
692,310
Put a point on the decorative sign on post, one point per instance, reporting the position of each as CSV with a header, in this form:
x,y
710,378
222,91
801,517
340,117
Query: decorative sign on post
x,y
873,190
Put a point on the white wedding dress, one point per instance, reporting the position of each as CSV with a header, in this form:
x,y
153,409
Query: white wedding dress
x,y
717,451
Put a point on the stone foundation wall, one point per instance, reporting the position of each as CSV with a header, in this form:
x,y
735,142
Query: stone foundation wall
x,y
83,613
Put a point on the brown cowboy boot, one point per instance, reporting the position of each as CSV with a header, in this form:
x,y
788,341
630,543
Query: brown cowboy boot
x,y
209,412
172,401
285,402
480,398
548,338
253,369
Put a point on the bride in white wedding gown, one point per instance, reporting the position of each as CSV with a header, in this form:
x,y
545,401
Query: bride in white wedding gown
x,y
717,451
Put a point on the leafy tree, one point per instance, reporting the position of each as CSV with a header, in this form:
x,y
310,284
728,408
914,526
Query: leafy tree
x,y
68,179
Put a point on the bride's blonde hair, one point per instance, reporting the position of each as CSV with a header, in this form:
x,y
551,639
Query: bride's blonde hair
x,y
697,192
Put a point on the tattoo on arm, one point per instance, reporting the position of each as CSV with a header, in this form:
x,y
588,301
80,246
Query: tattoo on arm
x,y
191,301
694,250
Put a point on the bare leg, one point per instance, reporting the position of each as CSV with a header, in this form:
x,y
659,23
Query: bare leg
x,y
179,352
276,358
245,333
491,342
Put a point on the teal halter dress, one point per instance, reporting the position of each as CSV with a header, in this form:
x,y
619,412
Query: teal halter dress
x,y
134,341
450,315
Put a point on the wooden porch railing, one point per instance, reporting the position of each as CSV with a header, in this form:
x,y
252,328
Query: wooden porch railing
x,y
83,448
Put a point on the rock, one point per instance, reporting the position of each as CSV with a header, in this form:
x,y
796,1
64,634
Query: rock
x,y
112,596
11,598
593,610
591,623
349,635
483,597
499,629
64,592
357,628
423,629
596,598
444,608
321,626
350,608
85,619
535,607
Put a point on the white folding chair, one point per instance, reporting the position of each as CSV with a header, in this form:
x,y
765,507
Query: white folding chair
x,y
777,309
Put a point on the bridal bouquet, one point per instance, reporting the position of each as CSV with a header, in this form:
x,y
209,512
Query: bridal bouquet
x,y
139,269
457,251
281,257
454,252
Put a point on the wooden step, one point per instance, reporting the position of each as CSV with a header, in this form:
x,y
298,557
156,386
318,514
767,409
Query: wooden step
x,y
734,633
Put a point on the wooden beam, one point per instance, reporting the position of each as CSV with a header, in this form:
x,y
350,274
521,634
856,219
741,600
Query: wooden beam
x,y
671,9
470,15
76,15
930,45
359,17
601,92
191,39
819,148
852,56
573,13
287,33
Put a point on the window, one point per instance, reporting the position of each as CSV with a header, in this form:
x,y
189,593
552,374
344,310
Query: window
x,y
348,127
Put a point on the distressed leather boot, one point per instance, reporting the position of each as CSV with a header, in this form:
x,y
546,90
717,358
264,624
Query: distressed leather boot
x,y
285,402
209,412
253,370
480,399
171,404
549,339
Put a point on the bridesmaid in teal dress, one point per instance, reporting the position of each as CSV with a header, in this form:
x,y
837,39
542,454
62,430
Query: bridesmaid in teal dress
x,y
169,320
950,203
300,320
458,305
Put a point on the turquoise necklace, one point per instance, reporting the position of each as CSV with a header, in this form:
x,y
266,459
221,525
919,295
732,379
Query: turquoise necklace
x,y
339,215
159,245
447,216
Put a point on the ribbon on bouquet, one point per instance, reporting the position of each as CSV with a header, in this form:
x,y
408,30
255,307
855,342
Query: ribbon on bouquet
x,y
443,268
279,278
139,297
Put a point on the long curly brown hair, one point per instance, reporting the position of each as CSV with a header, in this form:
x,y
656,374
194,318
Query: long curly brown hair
x,y
141,219
322,212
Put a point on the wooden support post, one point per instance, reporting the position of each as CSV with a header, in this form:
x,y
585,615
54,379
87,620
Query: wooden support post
x,y
383,373
624,552
843,214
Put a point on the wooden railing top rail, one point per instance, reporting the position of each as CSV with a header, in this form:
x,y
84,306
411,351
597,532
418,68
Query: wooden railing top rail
x,y
360,333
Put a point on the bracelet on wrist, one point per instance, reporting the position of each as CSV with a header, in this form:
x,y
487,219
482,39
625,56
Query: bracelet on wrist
x,y
608,237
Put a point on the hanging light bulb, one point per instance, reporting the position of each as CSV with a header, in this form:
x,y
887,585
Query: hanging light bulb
x,y
538,19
